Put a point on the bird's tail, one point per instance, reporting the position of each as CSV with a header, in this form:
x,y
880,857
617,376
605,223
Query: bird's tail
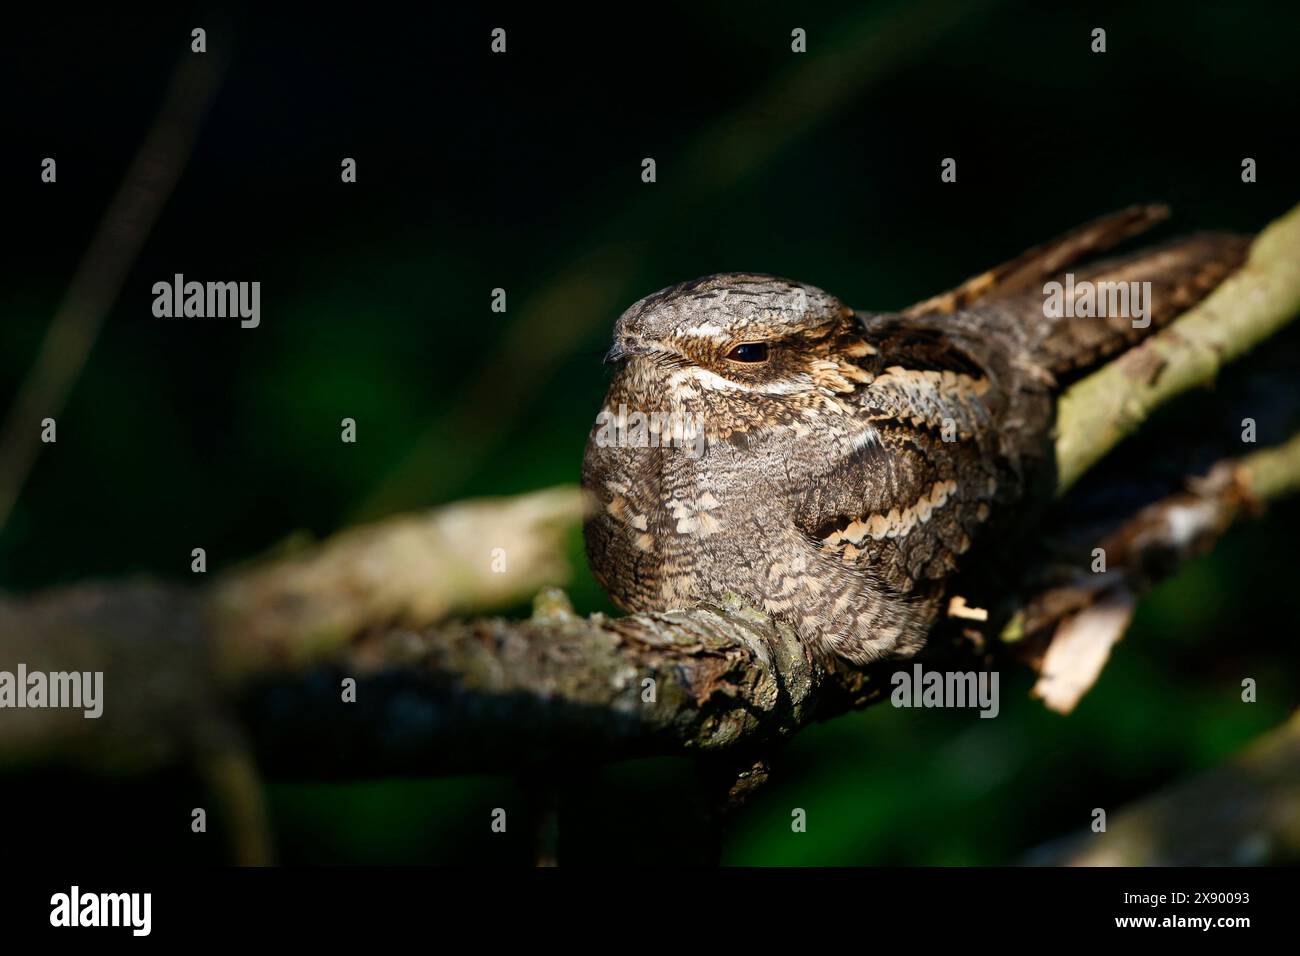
x,y
1071,320
1091,315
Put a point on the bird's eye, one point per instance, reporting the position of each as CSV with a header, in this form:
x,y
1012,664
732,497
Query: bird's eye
x,y
749,352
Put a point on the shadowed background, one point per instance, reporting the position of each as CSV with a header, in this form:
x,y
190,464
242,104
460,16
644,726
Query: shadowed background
x,y
522,171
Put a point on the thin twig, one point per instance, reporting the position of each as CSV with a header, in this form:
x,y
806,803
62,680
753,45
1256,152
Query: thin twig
x,y
102,270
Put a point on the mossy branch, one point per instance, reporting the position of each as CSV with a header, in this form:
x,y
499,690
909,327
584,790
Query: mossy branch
x,y
1097,413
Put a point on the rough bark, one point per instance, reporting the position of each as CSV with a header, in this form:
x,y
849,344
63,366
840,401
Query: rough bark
x,y
494,694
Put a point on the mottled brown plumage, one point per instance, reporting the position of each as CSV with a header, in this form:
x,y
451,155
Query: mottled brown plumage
x,y
850,460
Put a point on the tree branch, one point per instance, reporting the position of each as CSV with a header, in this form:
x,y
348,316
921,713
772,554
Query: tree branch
x,y
494,694
416,569
1259,299
1075,616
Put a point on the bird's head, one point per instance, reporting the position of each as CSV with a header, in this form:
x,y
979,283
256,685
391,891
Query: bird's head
x,y
745,352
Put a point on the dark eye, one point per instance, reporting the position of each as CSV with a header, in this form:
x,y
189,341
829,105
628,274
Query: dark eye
x,y
749,352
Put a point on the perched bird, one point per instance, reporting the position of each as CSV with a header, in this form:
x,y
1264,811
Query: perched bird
x,y
833,467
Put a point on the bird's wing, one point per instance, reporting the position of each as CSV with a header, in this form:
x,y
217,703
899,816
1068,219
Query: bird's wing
x,y
903,493
1032,268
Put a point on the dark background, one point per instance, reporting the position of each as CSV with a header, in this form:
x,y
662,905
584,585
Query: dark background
x,y
523,171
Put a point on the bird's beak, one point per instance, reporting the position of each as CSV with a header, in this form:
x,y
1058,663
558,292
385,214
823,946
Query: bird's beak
x,y
622,349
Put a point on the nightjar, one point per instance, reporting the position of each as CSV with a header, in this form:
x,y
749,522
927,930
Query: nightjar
x,y
833,468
